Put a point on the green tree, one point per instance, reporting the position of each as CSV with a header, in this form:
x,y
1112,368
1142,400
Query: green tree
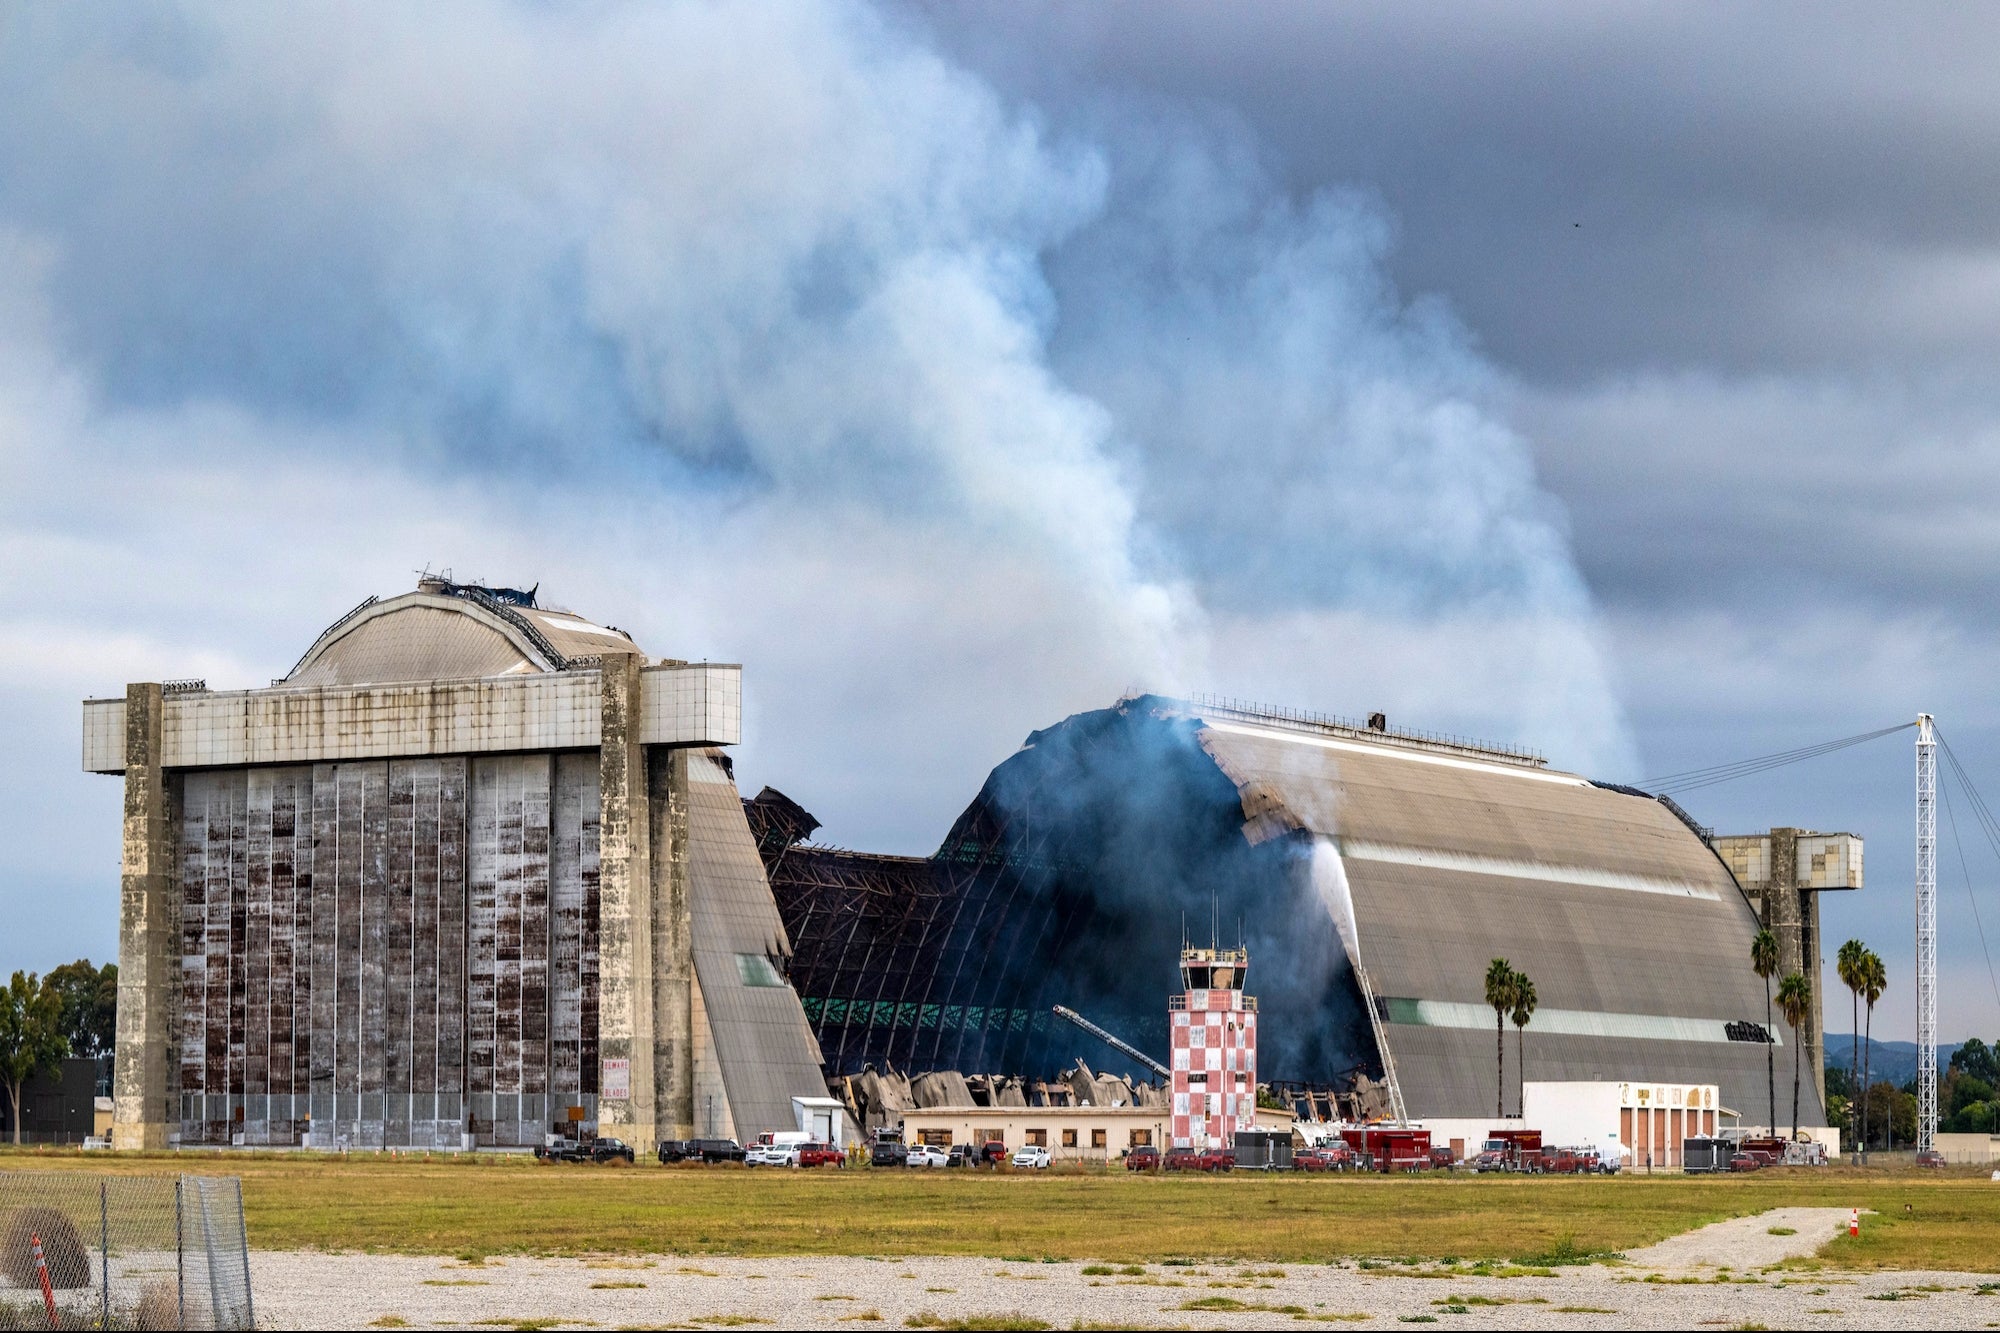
x,y
1874,980
1850,965
89,997
1764,962
1795,1002
1523,1010
1500,994
31,1038
1978,1060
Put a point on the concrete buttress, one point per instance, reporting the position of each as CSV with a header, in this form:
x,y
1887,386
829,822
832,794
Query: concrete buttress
x,y
673,946
626,911
149,935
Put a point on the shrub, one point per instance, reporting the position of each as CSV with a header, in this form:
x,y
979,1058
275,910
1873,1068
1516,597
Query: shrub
x,y
63,1250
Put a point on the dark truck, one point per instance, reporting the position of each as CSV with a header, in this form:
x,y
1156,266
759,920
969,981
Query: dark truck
x,y
700,1150
558,1148
888,1149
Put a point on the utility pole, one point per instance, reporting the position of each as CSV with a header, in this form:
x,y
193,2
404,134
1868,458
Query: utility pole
x,y
1927,975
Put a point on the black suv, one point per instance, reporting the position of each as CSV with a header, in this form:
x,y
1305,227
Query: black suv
x,y
700,1150
609,1150
888,1149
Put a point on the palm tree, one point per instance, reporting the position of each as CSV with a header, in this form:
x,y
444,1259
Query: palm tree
x,y
1874,980
1795,1000
1524,1009
1848,964
1764,962
1500,983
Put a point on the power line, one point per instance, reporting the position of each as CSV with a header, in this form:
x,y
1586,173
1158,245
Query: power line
x,y
1689,780
1991,828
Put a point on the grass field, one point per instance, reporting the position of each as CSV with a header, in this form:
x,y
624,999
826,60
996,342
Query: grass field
x,y
511,1205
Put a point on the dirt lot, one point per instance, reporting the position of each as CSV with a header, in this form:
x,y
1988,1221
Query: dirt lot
x,y
299,1290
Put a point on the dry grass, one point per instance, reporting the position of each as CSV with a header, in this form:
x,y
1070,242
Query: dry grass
x,y
482,1206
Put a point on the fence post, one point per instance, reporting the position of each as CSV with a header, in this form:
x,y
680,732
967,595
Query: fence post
x,y
104,1253
243,1230
180,1253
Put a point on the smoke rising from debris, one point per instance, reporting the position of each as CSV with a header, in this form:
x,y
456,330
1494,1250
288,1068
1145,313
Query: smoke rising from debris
x,y
764,330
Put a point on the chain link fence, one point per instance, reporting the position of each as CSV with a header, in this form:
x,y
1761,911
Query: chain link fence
x,y
110,1252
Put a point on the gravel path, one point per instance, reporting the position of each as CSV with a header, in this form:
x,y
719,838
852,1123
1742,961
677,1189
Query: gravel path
x,y
1672,1288
1747,1242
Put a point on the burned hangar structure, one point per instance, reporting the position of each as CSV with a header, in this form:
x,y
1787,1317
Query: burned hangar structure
x,y
1362,867
472,867
476,866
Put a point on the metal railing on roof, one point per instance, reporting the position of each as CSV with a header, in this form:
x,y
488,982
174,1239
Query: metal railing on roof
x,y
1299,719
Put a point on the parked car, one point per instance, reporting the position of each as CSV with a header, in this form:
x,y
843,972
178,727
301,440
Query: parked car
x,y
719,1150
771,1154
1747,1161
924,1155
992,1153
1143,1158
1201,1159
819,1154
1930,1157
1032,1158
557,1148
963,1154
1561,1161
609,1150
1323,1159
888,1149
1442,1157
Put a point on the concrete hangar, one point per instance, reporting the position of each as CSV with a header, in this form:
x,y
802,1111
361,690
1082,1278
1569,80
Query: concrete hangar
x,y
476,866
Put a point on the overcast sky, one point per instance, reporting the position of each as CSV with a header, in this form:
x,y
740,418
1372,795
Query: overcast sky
x,y
1615,380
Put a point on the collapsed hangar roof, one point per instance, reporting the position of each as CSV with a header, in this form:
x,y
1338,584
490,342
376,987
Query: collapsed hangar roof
x,y
452,631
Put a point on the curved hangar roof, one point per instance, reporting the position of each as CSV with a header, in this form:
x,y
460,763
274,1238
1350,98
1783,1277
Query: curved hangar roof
x,y
451,631
1635,933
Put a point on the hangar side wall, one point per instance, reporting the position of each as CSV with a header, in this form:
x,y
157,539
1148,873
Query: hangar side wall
x,y
389,951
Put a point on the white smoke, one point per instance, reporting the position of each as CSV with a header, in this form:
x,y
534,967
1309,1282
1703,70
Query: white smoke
x,y
763,330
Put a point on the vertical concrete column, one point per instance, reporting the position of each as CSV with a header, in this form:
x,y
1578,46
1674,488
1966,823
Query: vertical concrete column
x,y
1787,907
625,910
1815,970
148,936
673,946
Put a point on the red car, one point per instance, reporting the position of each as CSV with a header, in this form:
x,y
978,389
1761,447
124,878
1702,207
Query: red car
x,y
992,1153
1218,1159
1747,1161
1441,1157
1930,1157
821,1154
1143,1159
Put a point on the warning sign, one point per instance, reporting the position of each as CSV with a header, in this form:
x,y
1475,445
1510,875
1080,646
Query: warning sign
x,y
617,1079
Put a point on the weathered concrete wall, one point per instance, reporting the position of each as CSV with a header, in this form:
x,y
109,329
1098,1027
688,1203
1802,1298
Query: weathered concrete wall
x,y
148,933
673,946
674,705
625,894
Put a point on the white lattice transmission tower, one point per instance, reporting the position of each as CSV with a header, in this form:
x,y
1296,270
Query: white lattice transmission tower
x,y
1927,967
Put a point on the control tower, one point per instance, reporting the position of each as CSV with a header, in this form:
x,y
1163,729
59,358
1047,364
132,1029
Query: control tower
x,y
1215,1048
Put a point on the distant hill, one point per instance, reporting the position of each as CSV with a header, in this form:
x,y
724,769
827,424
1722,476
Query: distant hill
x,y
1893,1061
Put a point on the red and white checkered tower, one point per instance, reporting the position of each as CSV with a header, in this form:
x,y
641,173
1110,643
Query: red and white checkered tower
x,y
1215,1049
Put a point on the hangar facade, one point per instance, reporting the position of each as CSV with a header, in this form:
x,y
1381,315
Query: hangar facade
x,y
473,867
1364,868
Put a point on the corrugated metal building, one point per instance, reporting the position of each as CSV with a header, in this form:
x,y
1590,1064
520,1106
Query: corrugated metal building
x,y
1093,852
473,868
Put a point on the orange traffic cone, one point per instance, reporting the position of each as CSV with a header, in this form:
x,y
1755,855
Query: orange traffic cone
x,y
42,1272
1854,1222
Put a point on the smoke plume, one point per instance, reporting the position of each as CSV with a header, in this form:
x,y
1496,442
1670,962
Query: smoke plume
x,y
767,332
